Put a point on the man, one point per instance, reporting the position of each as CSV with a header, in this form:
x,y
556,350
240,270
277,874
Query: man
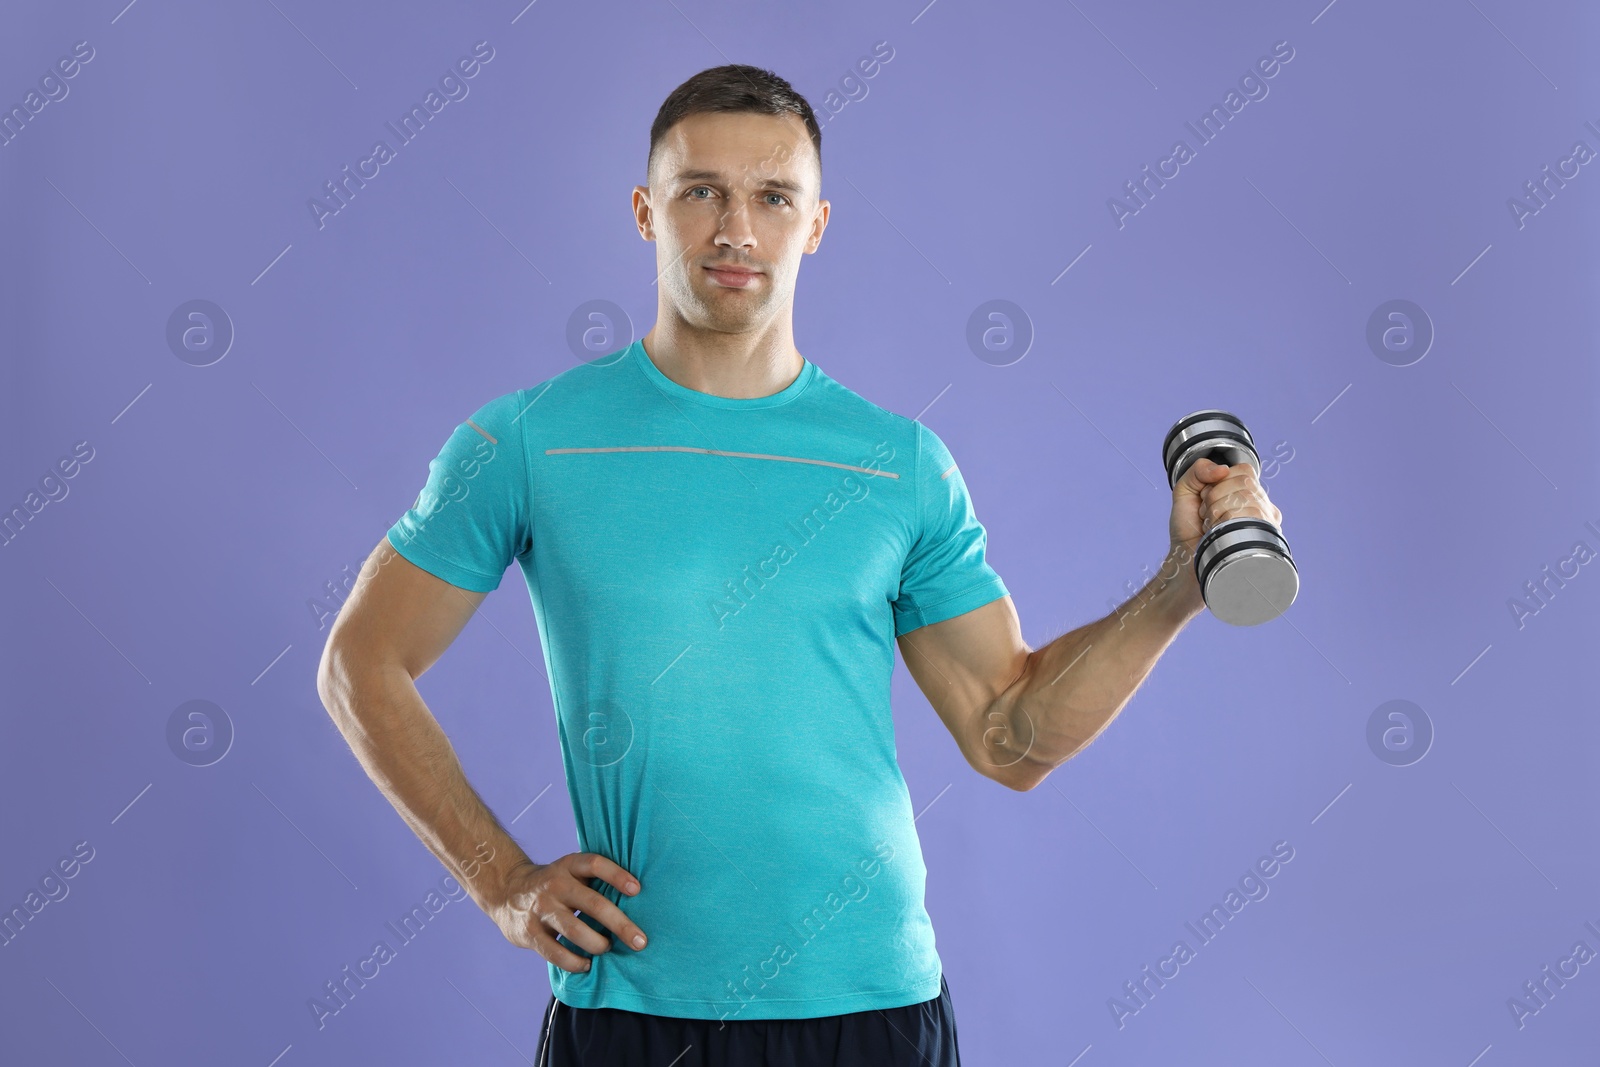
x,y
723,546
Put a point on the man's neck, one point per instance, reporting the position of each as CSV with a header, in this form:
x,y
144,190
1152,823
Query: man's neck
x,y
734,365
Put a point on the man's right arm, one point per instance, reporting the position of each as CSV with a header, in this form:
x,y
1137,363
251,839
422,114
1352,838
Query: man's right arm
x,y
395,624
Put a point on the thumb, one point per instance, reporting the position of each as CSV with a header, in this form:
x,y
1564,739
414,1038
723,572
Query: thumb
x,y
1201,472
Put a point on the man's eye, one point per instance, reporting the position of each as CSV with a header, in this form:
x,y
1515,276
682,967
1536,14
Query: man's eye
x,y
780,196
696,189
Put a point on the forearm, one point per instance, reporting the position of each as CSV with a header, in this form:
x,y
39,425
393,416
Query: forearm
x,y
407,755
1071,688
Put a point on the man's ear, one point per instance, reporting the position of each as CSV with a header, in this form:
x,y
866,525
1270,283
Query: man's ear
x,y
642,212
819,224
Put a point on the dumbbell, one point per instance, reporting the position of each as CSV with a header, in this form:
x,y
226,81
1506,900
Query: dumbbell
x,y
1246,573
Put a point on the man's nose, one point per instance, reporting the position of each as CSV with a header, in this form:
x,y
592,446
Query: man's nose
x,y
733,228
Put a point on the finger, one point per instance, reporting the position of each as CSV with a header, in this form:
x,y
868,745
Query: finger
x,y
591,865
557,953
611,917
579,933
1193,480
1202,474
1239,479
1239,487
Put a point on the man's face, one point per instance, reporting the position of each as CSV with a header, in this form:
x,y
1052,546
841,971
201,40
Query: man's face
x,y
733,190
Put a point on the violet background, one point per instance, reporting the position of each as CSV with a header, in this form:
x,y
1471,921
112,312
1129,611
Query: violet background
x,y
1418,500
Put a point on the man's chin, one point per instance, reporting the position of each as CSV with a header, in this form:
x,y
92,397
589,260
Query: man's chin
x,y
730,310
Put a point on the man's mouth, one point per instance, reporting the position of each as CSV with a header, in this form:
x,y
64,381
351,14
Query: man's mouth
x,y
733,277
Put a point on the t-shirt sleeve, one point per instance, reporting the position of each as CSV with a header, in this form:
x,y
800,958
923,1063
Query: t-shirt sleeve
x,y
945,573
472,517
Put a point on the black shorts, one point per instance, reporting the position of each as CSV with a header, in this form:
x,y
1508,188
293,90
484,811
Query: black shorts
x,y
916,1035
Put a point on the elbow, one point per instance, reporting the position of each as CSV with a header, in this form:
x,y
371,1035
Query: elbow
x,y
1029,770
1003,755
327,669
343,687
1022,776
360,690
1029,783
1018,783
334,681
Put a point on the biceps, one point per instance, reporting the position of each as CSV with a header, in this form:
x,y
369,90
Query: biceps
x,y
962,665
399,613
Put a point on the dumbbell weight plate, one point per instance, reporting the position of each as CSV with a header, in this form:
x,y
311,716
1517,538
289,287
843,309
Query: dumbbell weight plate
x,y
1217,435
1246,573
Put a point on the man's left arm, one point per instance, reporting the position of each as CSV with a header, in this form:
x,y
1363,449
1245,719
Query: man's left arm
x,y
1017,713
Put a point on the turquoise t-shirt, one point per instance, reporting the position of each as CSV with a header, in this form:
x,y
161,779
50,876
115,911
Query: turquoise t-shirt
x,y
718,583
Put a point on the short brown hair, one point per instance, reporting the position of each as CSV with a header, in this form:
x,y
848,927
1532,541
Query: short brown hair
x,y
732,87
